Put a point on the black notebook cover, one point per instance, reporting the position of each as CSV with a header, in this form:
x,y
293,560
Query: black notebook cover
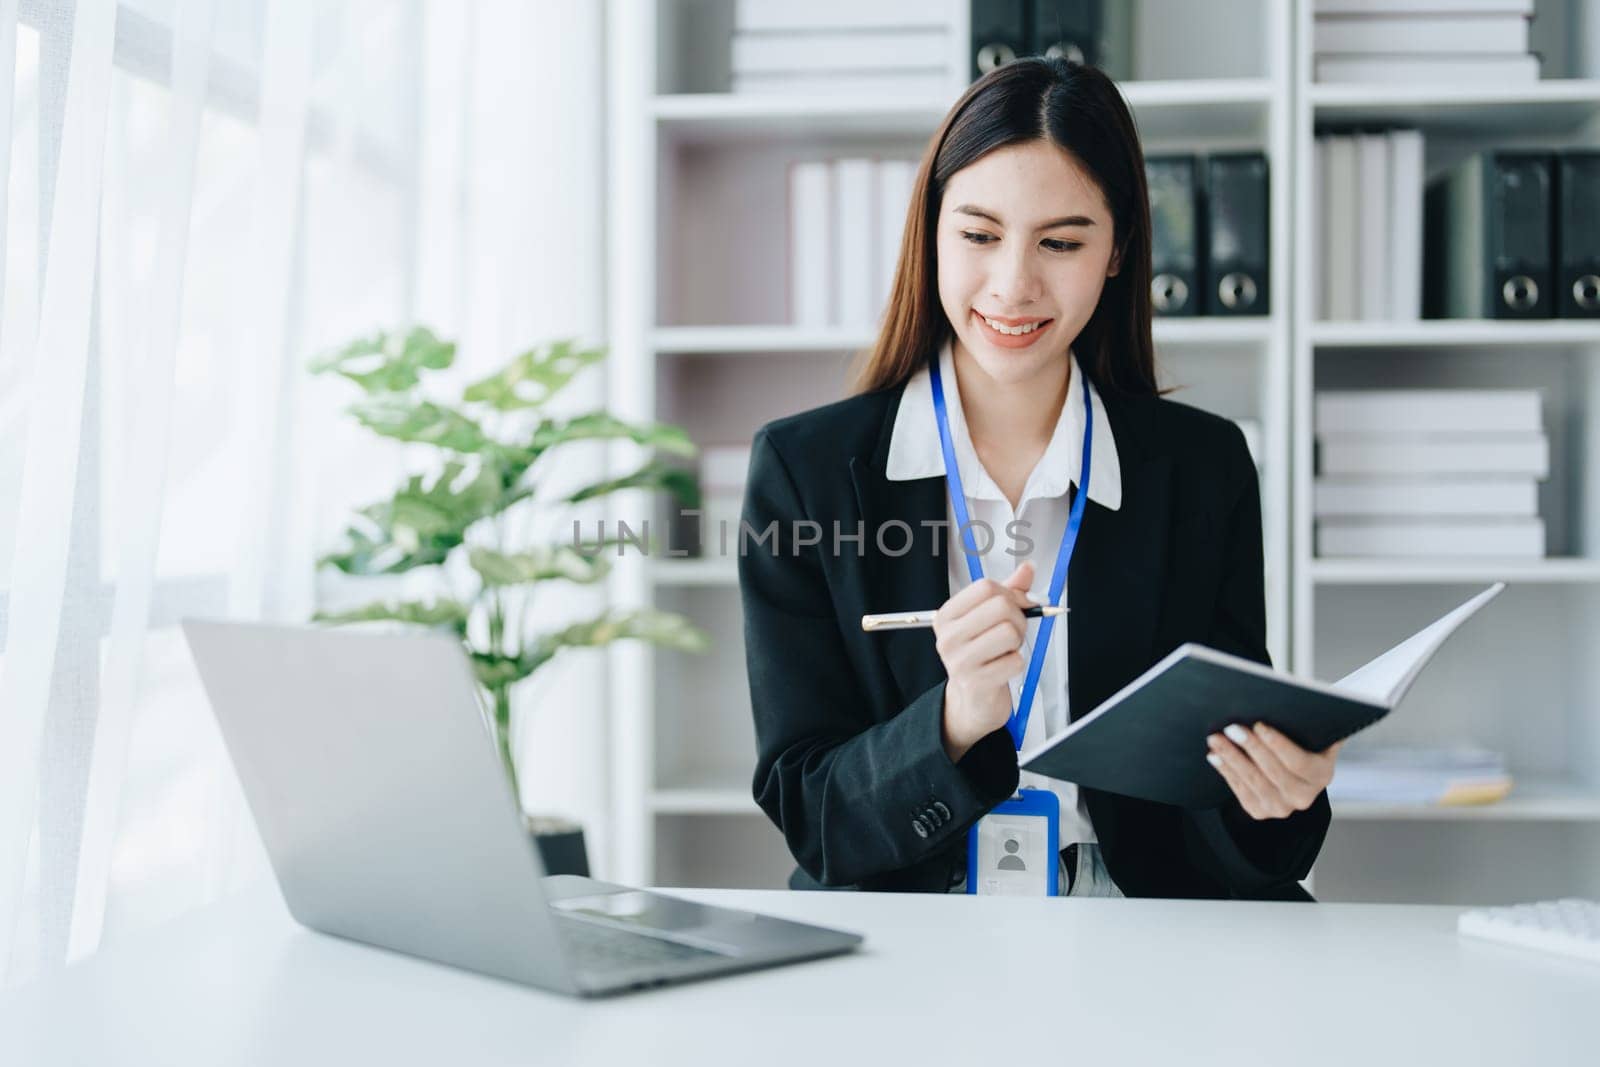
x,y
1149,740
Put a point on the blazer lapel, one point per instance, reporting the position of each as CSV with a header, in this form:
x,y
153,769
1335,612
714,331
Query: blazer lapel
x,y
914,580
1118,571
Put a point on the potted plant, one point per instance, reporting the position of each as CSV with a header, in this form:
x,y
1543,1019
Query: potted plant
x,y
493,445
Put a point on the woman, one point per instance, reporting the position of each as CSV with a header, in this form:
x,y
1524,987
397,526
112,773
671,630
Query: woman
x,y
1015,347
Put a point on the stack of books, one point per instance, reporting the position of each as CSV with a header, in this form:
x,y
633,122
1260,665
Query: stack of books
x,y
843,47
1432,473
1403,775
1466,42
846,217
1369,198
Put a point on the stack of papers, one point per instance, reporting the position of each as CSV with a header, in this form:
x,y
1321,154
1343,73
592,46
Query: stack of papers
x,y
842,47
1470,42
1408,775
1430,473
1369,226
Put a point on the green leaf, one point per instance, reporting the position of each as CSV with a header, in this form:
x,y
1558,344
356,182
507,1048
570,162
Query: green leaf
x,y
441,614
663,628
668,630
532,378
364,554
421,421
584,565
654,476
603,426
388,363
495,670
448,505
423,521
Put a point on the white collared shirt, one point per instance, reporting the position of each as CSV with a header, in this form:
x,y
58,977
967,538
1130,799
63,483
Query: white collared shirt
x,y
914,452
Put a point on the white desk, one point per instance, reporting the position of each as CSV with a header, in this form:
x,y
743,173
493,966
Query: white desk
x,y
940,980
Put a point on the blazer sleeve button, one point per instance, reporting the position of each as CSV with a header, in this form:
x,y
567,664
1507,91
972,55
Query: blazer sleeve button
x,y
944,812
920,827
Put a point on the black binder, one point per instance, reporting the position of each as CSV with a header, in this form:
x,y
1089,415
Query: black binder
x,y
1148,740
1068,29
1000,33
1488,245
1236,235
1578,235
1175,281
1082,31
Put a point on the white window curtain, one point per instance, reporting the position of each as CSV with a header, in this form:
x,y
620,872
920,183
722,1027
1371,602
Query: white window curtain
x,y
199,196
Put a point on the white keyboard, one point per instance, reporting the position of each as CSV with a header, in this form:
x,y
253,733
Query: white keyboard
x,y
1570,927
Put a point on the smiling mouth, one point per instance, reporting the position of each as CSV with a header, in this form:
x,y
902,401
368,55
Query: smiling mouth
x,y
1005,329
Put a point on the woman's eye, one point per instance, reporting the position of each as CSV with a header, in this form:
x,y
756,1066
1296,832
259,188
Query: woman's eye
x,y
1051,243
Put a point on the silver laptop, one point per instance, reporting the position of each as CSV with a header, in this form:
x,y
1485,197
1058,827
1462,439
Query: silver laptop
x,y
368,764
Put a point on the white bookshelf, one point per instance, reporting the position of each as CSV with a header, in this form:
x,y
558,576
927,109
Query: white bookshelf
x,y
1522,678
699,337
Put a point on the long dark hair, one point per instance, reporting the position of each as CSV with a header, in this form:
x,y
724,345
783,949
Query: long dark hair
x,y
1080,110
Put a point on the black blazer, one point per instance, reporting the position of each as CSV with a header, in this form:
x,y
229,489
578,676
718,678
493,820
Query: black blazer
x,y
851,765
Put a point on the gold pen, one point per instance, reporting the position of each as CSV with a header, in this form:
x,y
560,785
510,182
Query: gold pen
x,y
912,620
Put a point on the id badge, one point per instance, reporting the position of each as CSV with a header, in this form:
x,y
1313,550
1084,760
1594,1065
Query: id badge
x,y
1012,850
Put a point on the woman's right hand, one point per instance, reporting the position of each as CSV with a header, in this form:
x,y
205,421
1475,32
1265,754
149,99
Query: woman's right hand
x,y
979,633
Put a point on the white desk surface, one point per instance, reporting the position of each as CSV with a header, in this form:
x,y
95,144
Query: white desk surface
x,y
940,980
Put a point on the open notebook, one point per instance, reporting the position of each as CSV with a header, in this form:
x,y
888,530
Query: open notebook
x,y
1148,740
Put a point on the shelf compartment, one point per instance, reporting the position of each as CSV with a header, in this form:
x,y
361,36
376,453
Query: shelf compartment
x,y
1568,379
723,400
1202,110
1519,679
704,730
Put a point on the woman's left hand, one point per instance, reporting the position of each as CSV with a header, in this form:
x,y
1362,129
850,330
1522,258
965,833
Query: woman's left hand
x,y
1271,776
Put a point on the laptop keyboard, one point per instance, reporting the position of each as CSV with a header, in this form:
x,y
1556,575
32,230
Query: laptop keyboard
x,y
602,948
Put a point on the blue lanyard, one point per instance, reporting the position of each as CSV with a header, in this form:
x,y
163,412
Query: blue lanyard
x,y
1018,725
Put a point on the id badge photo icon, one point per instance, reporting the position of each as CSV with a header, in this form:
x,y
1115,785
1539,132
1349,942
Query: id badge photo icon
x,y
1012,850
